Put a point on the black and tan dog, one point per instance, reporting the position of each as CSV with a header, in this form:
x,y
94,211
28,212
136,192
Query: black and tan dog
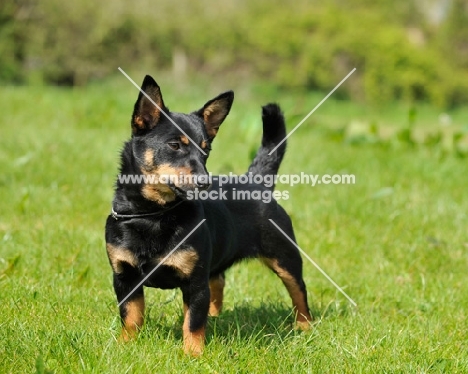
x,y
150,219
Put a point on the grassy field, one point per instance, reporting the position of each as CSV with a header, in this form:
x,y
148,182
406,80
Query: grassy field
x,y
396,241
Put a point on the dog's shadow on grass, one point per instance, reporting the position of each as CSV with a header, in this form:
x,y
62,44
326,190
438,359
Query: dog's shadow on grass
x,y
261,323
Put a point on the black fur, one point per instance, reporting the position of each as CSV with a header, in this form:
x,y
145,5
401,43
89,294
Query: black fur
x,y
233,230
274,131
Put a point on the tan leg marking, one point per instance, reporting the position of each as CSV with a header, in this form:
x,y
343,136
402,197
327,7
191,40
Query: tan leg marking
x,y
194,341
216,295
134,318
303,316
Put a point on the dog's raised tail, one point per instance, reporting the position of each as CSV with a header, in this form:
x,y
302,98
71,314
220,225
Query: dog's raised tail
x,y
274,131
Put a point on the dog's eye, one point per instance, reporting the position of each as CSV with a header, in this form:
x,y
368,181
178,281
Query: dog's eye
x,y
174,146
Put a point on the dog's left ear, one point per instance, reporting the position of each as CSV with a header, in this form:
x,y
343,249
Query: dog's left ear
x,y
215,111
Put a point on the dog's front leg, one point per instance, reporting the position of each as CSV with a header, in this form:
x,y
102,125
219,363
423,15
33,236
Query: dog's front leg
x,y
196,298
132,310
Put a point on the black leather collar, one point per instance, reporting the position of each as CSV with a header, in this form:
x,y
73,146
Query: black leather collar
x,y
118,216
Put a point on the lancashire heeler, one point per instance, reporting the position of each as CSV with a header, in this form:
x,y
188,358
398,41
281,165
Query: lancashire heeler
x,y
150,219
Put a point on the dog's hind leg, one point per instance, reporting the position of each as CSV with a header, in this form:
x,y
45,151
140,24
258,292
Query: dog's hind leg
x,y
290,272
216,294
281,256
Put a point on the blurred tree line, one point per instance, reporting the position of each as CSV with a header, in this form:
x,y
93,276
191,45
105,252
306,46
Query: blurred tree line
x,y
403,49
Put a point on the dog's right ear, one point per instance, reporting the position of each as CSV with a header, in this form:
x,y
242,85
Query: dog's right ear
x,y
147,110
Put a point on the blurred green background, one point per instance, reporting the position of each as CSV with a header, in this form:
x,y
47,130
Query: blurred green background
x,y
414,50
396,241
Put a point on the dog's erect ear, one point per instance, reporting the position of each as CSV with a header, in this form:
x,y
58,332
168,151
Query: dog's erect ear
x,y
146,115
215,111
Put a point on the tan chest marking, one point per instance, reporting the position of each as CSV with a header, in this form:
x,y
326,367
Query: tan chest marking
x,y
183,261
119,255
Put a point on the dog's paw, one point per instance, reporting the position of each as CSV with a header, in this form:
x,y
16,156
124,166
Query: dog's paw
x,y
193,349
126,336
303,325
215,309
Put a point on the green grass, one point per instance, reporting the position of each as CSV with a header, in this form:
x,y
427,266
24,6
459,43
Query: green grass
x,y
397,242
